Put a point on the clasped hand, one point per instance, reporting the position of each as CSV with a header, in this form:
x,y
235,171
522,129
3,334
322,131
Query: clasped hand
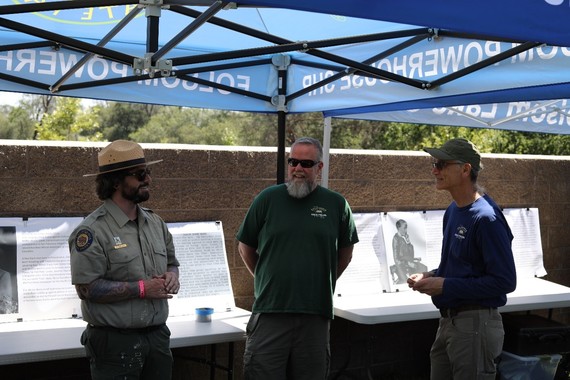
x,y
432,286
162,286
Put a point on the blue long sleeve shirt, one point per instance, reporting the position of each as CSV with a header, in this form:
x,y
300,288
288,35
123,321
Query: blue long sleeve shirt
x,y
477,260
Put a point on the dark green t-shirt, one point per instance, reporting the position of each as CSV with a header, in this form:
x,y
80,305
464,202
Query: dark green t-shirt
x,y
297,241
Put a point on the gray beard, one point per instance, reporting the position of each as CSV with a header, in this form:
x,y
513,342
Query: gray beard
x,y
299,190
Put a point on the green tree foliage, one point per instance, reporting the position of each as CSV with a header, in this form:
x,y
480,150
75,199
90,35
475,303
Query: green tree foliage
x,y
57,118
189,126
68,122
38,105
119,120
361,134
15,123
255,129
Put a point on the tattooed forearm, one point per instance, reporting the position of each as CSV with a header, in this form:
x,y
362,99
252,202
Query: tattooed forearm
x,y
105,291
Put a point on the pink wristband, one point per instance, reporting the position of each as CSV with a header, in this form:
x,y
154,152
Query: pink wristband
x,y
141,289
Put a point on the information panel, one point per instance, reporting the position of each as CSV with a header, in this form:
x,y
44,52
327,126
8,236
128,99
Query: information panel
x,y
35,278
394,245
35,274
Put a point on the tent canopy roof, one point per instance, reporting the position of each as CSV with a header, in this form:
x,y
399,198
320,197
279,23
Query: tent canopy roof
x,y
344,58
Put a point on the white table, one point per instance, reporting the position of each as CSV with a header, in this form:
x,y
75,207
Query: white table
x,y
40,340
407,305
35,341
224,328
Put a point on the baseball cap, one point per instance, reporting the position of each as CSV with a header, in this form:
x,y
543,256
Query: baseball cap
x,y
458,149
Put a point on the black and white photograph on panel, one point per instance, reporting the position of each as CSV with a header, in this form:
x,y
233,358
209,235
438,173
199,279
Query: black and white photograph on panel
x,y
405,246
8,271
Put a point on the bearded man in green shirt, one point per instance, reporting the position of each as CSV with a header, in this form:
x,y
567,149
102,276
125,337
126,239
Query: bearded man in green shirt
x,y
296,240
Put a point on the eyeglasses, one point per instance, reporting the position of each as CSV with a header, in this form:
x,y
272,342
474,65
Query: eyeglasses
x,y
140,174
440,165
293,162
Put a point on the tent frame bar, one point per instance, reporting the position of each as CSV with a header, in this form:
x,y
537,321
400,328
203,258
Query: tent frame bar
x,y
520,115
346,66
484,63
67,41
120,26
155,63
346,72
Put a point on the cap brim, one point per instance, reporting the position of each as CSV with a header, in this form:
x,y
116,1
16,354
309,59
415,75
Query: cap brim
x,y
438,154
123,168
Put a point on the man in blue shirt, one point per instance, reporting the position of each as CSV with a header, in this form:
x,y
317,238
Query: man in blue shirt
x,y
476,271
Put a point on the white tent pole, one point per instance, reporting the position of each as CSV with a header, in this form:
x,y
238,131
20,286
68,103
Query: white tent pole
x,y
326,149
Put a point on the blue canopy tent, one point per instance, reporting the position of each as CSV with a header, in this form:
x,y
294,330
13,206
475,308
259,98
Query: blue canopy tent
x,y
547,116
343,58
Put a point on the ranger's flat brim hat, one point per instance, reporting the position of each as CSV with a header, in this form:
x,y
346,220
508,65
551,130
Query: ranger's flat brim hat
x,y
120,155
458,149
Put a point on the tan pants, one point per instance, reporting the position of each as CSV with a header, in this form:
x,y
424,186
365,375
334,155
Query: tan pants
x,y
467,346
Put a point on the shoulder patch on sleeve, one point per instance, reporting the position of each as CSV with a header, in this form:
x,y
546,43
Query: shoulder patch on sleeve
x,y
83,240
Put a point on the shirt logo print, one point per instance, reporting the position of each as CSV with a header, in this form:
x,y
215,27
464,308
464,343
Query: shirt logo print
x,y
460,233
318,212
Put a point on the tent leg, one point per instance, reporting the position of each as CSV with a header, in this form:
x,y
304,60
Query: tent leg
x,y
326,149
281,63
281,124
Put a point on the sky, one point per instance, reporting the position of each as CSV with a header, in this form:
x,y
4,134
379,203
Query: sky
x,y
10,98
13,99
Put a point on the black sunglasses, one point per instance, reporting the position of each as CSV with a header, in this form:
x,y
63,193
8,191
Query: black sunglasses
x,y
440,165
293,162
140,174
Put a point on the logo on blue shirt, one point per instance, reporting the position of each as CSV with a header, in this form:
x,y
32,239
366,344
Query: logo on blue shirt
x,y
461,232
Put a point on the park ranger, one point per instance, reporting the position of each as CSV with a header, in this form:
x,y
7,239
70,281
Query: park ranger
x,y
124,269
